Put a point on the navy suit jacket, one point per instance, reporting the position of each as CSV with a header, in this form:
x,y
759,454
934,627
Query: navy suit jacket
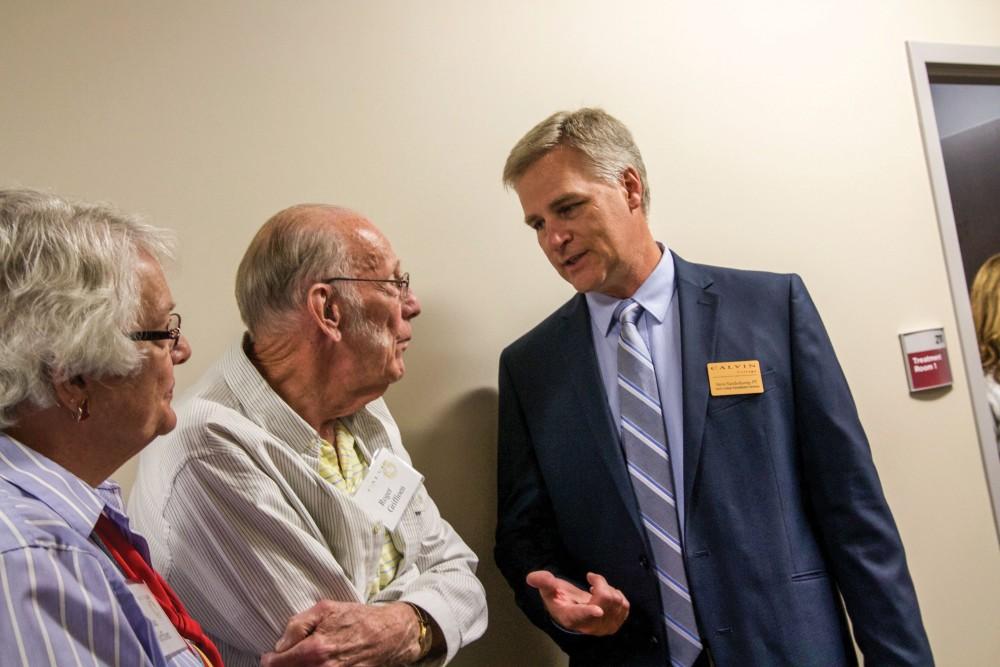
x,y
784,508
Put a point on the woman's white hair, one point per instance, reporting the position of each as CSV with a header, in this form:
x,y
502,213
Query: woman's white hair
x,y
69,293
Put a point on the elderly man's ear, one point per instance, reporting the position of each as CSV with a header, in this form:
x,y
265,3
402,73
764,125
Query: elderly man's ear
x,y
325,311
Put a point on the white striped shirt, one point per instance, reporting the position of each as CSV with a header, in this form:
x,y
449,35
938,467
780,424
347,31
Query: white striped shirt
x,y
248,533
63,602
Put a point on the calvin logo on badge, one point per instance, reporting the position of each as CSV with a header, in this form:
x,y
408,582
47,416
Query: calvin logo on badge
x,y
730,378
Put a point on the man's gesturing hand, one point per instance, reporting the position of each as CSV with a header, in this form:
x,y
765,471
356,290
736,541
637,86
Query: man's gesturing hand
x,y
600,611
342,634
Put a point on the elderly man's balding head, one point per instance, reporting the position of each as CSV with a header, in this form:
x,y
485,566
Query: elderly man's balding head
x,y
299,246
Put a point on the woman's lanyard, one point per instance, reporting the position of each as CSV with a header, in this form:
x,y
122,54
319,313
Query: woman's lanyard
x,y
111,540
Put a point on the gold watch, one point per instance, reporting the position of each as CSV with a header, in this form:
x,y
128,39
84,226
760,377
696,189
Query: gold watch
x,y
426,637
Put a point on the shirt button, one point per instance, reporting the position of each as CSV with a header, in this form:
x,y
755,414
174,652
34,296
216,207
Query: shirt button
x,y
644,562
653,640
376,529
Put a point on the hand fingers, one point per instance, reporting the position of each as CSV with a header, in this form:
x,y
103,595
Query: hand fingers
x,y
605,595
596,581
308,652
576,617
553,588
540,579
301,626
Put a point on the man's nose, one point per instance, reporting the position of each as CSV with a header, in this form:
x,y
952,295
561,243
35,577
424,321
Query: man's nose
x,y
556,236
182,351
411,305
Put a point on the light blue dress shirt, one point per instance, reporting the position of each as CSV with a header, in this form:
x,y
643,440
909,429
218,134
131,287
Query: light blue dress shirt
x,y
63,602
660,327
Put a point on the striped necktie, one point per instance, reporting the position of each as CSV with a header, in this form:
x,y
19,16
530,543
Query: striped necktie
x,y
647,455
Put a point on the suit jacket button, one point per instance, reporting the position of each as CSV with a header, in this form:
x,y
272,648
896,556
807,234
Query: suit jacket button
x,y
644,561
653,640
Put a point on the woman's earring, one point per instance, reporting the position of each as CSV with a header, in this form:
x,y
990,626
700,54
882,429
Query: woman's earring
x,y
83,411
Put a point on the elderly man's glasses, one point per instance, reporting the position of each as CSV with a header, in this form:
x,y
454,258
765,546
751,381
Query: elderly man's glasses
x,y
402,283
172,332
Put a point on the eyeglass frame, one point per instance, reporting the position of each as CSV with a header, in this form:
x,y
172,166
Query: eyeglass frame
x,y
402,283
170,333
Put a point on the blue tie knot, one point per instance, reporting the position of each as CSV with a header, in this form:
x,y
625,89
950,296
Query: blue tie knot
x,y
628,312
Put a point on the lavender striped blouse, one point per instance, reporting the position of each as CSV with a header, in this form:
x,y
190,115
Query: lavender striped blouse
x,y
63,602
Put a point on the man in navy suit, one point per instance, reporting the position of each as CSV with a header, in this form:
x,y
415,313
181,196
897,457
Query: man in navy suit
x,y
765,470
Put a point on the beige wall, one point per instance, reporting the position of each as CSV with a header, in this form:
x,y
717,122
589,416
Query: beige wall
x,y
778,135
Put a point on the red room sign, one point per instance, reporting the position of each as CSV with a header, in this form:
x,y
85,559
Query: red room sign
x,y
926,356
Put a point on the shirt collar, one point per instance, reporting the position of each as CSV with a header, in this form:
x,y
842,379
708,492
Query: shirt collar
x,y
67,495
262,404
654,295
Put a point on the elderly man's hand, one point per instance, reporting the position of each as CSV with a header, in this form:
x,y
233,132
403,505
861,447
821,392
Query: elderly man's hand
x,y
599,611
338,634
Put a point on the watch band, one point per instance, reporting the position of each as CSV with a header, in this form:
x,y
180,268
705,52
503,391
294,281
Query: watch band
x,y
426,637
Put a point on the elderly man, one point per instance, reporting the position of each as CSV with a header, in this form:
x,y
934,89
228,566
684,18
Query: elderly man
x,y
683,477
266,499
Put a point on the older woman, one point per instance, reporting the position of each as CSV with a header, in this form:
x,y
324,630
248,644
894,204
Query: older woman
x,y
88,345
986,316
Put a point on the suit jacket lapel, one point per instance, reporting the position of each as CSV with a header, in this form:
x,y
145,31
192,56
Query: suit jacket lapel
x,y
580,360
698,311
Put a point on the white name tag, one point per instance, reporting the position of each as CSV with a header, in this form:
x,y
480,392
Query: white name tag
x,y
170,640
388,488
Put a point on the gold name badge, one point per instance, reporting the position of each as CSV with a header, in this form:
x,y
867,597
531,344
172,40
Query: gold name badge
x,y
729,378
